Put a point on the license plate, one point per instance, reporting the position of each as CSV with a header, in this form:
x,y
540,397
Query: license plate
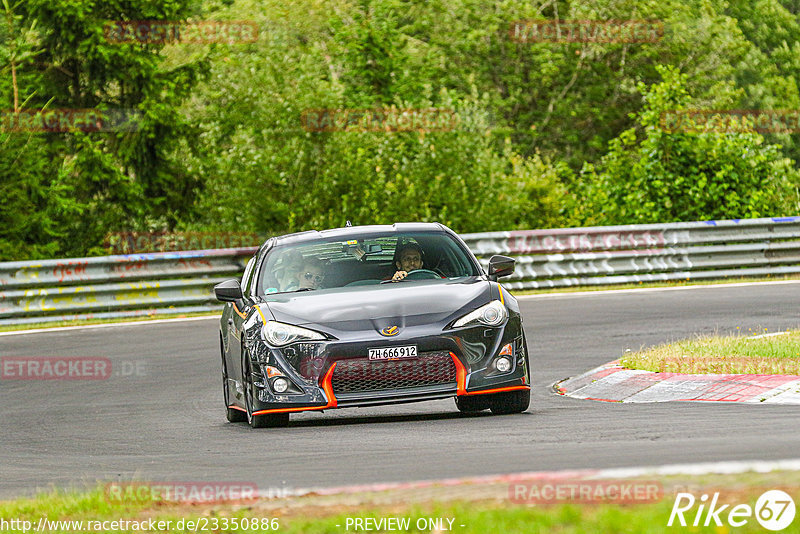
x,y
390,353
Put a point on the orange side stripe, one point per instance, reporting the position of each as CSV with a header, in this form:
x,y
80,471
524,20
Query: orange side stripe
x,y
240,314
326,386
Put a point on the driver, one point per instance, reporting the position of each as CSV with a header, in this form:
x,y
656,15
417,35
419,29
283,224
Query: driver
x,y
407,258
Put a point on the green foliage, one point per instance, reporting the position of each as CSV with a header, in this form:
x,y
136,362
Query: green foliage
x,y
29,202
666,177
78,187
552,134
272,176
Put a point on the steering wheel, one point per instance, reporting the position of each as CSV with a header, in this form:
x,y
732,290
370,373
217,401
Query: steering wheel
x,y
421,274
417,274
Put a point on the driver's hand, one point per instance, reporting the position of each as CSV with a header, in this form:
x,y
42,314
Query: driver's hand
x,y
399,275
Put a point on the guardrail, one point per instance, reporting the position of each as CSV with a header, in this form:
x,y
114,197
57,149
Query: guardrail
x,y
606,255
180,282
115,286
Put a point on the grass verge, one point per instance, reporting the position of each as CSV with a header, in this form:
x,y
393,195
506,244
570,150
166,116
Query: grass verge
x,y
767,354
465,508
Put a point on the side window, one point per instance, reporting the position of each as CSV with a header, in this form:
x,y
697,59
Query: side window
x,y
247,277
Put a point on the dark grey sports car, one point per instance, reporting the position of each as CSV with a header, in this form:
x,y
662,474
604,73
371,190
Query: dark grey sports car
x,y
370,315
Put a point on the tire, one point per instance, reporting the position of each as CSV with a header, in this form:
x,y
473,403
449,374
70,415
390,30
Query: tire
x,y
270,420
472,404
233,416
510,402
267,420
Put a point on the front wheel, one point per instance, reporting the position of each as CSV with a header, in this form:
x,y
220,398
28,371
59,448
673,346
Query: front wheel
x,y
266,420
510,402
231,414
471,404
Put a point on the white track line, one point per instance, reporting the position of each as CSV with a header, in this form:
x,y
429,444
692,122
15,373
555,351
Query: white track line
x,y
107,325
601,292
705,468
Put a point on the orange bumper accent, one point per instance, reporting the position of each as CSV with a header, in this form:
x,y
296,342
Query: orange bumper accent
x,y
461,375
461,381
326,386
496,390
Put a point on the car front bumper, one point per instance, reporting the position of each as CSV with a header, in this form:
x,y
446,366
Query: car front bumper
x,y
337,373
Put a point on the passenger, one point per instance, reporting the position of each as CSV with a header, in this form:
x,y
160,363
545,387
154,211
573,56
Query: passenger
x,y
310,276
287,271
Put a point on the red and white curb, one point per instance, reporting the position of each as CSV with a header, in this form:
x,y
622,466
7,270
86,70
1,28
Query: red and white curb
x,y
613,383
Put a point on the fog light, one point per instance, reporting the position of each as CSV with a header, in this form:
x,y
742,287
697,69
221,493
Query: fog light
x,y
503,364
280,385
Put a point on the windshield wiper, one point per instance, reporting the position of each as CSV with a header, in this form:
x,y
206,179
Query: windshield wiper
x,y
301,289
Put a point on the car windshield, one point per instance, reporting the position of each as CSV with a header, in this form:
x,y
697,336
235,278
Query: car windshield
x,y
363,260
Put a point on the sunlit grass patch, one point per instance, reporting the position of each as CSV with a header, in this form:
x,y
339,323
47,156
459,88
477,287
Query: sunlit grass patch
x,y
69,504
767,354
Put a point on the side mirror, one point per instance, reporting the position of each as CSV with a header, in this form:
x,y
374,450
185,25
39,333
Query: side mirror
x,y
228,291
500,266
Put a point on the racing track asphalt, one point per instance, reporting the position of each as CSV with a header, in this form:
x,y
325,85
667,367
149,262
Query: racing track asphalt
x,y
168,424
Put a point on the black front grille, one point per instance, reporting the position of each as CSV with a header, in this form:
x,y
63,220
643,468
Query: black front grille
x,y
428,369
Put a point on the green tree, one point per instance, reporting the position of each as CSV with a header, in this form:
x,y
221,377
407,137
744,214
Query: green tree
x,y
265,173
663,176
112,180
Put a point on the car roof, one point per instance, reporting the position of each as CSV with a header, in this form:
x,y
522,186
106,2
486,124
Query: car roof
x,y
358,231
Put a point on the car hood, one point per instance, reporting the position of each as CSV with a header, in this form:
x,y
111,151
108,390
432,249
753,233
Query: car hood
x,y
403,304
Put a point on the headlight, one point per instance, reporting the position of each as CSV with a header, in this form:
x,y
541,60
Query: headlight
x,y
492,314
280,334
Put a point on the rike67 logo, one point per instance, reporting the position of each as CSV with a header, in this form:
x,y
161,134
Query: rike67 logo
x,y
774,510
